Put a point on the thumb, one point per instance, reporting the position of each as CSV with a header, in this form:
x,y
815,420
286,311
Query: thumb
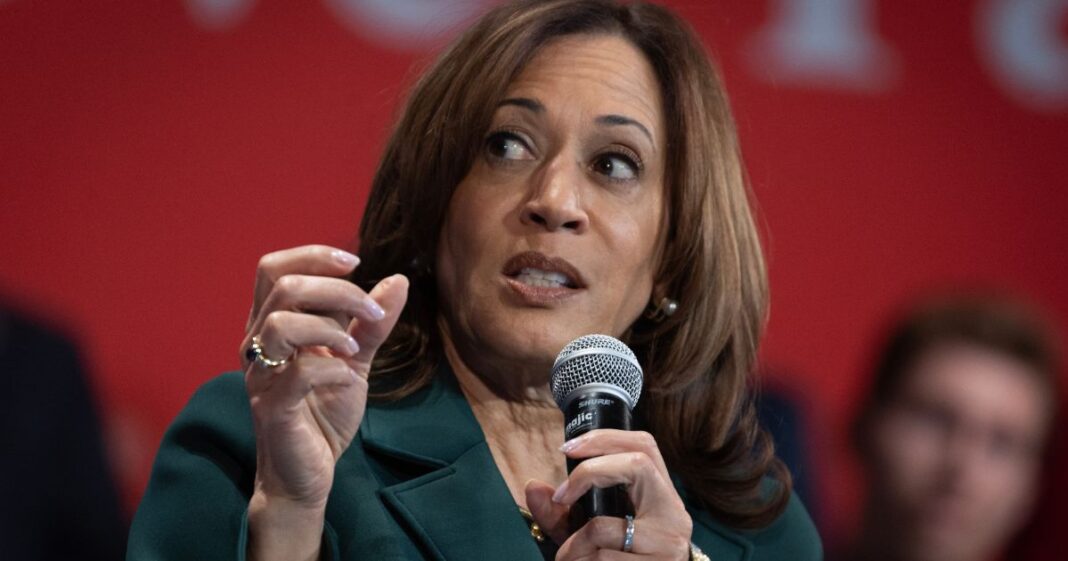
x,y
391,293
550,516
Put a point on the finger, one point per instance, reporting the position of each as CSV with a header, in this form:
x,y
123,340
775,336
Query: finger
x,y
325,295
288,385
650,493
601,537
391,293
606,555
284,332
602,442
306,260
551,517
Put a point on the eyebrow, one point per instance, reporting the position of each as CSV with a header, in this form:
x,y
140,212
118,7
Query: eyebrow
x,y
524,102
617,120
535,106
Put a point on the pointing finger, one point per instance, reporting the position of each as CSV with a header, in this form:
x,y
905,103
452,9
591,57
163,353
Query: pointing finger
x,y
391,293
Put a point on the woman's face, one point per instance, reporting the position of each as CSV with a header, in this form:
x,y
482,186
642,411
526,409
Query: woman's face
x,y
553,232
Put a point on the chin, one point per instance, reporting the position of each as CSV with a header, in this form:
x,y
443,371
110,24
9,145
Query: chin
x,y
538,341
946,543
531,340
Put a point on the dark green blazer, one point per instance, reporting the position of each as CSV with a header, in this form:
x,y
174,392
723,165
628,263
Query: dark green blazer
x,y
418,482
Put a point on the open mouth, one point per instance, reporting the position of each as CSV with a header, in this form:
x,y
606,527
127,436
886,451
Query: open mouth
x,y
549,279
535,269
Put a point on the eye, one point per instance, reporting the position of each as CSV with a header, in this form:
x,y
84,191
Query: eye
x,y
507,146
618,167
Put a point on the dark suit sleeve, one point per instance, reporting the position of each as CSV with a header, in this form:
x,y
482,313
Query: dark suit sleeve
x,y
195,506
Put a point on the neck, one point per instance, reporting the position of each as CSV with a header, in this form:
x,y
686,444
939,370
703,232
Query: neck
x,y
879,538
485,375
523,426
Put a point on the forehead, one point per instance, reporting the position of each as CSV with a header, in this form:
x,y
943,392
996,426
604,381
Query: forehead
x,y
981,384
605,73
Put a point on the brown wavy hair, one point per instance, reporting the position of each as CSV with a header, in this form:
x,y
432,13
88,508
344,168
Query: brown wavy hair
x,y
698,361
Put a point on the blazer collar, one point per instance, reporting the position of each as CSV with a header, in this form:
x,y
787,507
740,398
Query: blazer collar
x,y
432,427
459,507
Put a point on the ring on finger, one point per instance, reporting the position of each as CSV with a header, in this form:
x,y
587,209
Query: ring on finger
x,y
255,353
628,536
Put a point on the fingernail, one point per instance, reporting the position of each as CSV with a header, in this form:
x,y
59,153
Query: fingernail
x,y
560,492
351,345
373,309
570,445
345,258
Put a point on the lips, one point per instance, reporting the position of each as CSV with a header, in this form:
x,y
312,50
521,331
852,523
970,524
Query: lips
x,y
535,269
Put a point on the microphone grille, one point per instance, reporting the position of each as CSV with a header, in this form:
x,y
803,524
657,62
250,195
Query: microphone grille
x,y
596,359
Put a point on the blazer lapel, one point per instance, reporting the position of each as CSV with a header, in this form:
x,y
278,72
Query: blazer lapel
x,y
458,506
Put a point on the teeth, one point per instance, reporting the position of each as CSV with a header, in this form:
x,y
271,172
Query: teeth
x,y
537,277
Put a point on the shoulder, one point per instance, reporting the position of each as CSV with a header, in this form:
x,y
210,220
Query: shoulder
x,y
224,389
792,533
214,427
204,471
219,409
791,536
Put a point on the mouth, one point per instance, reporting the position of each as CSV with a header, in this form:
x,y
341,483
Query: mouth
x,y
535,269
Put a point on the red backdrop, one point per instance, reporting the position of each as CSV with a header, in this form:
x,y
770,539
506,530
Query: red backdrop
x,y
150,151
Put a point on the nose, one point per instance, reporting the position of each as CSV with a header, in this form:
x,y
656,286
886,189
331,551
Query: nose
x,y
555,201
964,461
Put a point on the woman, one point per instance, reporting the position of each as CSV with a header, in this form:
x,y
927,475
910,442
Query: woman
x,y
563,165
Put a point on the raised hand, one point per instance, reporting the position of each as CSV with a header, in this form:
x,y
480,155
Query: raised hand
x,y
307,411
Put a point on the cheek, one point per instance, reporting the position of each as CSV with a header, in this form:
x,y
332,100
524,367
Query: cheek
x,y
644,247
634,232
456,246
907,453
630,263
464,235
1011,482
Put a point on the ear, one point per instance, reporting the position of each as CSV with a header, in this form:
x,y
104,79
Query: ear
x,y
660,307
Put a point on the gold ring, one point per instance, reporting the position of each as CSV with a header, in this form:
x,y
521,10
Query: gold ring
x,y
255,354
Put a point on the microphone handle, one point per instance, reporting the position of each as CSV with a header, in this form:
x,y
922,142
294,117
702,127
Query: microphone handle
x,y
585,412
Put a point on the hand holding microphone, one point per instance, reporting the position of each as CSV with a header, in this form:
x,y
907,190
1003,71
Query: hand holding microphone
x,y
596,381
614,472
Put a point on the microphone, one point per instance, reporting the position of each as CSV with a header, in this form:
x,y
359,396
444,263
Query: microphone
x,y
596,381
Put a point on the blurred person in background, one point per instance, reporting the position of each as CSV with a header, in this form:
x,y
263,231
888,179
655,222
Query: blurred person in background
x,y
57,496
954,431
